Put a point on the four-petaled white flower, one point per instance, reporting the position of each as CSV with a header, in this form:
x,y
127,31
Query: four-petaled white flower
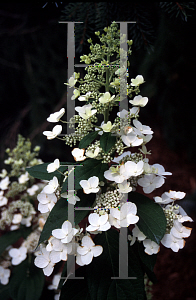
x,y
32,190
131,139
65,233
106,97
124,187
90,185
107,127
150,247
78,154
150,182
92,154
125,216
85,111
23,178
55,117
18,255
170,241
87,251
4,183
138,234
137,81
46,202
53,166
85,97
71,82
58,250
52,186
139,101
52,134
44,261
141,129
71,197
180,231
98,223
75,95
175,195
4,275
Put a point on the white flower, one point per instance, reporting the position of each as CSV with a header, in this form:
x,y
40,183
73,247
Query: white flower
x,y
52,134
66,233
134,169
31,191
71,82
107,127
78,154
137,81
85,97
85,111
23,178
16,218
170,241
76,94
3,173
4,275
139,101
4,183
59,250
46,202
55,117
98,223
90,185
122,114
150,182
118,158
87,251
116,82
106,97
18,255
141,129
131,139
125,216
43,261
27,221
150,247
3,200
117,174
134,111
124,187
71,197
55,282
51,187
180,231
53,166
138,234
92,154
159,170
175,195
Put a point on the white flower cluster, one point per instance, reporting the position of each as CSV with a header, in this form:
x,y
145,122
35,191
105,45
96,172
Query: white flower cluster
x,y
176,232
61,243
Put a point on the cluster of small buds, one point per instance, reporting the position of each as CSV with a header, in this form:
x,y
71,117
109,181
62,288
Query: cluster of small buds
x,y
119,147
170,216
105,201
26,209
84,127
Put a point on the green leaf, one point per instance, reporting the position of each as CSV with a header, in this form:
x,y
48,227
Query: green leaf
x,y
27,282
91,167
152,221
59,214
87,140
107,141
112,90
40,171
9,238
103,287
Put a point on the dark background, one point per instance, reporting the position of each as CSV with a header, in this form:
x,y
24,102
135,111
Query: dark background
x,y
33,69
